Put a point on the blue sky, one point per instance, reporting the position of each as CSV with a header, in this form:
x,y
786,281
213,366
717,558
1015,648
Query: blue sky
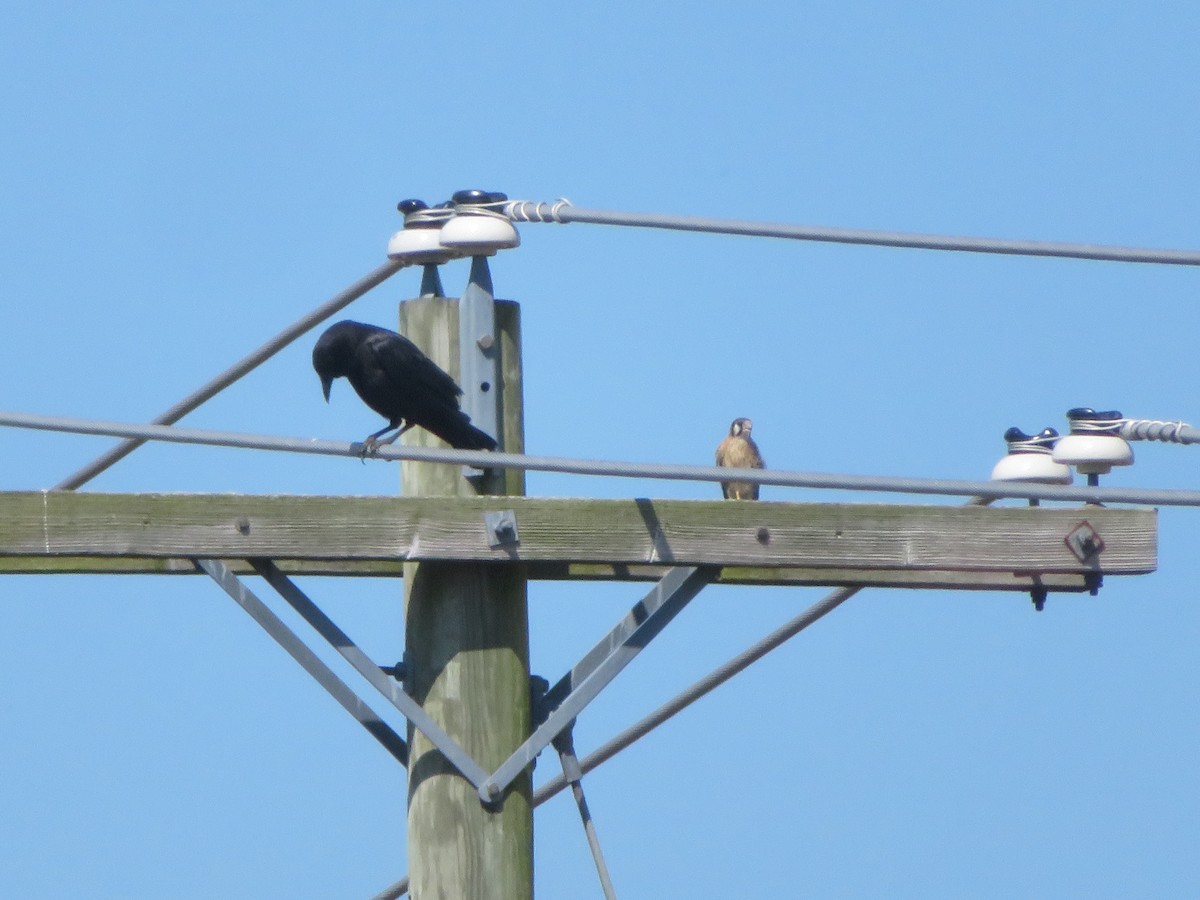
x,y
180,181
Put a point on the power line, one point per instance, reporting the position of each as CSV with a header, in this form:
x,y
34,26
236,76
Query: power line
x,y
661,471
563,212
234,372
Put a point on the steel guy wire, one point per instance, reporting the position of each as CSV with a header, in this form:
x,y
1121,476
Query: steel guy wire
x,y
233,373
561,211
663,471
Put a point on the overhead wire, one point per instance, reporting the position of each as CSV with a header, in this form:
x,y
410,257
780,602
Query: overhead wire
x,y
661,471
563,212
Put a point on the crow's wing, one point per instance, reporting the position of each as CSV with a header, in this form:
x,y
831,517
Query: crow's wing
x,y
409,372
397,380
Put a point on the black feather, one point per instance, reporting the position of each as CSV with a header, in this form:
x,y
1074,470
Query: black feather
x,y
393,377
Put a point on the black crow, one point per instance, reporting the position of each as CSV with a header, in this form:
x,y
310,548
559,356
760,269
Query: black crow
x,y
398,381
739,451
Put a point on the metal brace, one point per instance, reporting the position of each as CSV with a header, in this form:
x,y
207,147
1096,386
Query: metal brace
x,y
341,642
501,528
573,692
303,654
479,355
602,664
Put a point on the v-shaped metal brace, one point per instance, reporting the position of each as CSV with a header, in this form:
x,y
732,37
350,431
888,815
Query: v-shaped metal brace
x,y
573,692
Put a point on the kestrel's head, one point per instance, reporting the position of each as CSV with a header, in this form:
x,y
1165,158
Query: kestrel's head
x,y
740,428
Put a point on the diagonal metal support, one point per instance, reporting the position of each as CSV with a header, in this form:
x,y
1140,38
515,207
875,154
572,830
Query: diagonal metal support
x,y
351,652
289,641
601,665
564,743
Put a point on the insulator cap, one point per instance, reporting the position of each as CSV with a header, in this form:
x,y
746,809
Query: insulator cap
x,y
1020,442
407,207
1039,468
1029,459
477,198
1093,454
479,234
420,245
1085,420
470,197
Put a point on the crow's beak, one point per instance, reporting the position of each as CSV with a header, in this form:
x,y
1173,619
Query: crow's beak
x,y
326,384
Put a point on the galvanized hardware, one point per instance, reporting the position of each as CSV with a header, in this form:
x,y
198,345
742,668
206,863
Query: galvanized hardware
x,y
478,360
399,671
1038,596
501,528
1084,541
538,686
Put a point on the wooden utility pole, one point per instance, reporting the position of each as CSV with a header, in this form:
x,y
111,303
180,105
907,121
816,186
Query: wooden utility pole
x,y
467,656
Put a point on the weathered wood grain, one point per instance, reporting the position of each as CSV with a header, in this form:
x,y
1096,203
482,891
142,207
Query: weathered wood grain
x,y
466,641
854,537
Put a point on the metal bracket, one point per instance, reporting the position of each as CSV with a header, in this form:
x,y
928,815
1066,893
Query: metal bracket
x,y
479,354
602,664
501,528
1084,541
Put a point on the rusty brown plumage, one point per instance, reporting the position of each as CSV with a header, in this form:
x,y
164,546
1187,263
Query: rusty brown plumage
x,y
739,451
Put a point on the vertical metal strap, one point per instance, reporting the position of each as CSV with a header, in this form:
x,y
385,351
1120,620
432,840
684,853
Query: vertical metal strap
x,y
301,652
479,354
602,664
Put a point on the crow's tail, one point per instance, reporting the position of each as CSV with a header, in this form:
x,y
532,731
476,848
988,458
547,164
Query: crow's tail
x,y
459,433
